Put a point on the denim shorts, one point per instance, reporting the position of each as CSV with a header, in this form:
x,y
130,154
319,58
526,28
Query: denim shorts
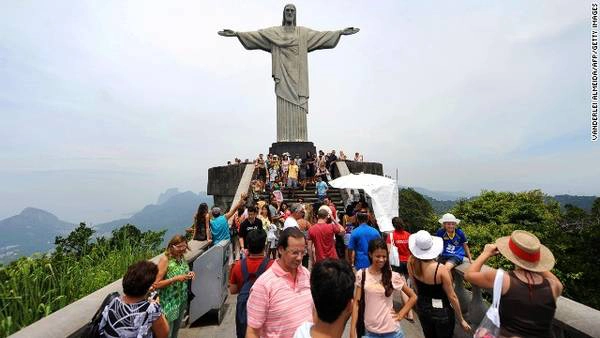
x,y
455,260
395,334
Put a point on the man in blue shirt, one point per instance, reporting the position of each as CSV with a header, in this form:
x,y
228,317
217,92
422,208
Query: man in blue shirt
x,y
219,226
321,188
359,241
455,242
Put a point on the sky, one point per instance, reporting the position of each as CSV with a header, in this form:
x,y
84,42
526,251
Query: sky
x,y
106,104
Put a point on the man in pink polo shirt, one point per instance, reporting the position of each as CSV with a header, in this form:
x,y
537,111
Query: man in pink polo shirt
x,y
280,300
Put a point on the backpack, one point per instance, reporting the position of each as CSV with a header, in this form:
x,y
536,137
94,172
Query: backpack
x,y
92,328
241,317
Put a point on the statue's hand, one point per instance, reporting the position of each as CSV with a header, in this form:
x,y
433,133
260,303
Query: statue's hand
x,y
350,31
227,32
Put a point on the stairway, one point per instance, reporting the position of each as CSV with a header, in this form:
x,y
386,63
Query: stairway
x,y
291,196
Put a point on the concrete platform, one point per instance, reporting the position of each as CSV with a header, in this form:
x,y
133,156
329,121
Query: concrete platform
x,y
208,327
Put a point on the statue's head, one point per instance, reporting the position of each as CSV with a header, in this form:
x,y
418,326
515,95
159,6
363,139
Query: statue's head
x,y
289,15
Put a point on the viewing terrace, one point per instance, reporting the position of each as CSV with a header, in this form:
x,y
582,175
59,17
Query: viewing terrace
x,y
572,319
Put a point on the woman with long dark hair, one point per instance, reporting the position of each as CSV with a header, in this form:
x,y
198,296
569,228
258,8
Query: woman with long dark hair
x,y
398,240
376,284
201,226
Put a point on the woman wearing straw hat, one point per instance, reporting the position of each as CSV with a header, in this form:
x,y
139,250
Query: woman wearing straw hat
x,y
434,287
529,292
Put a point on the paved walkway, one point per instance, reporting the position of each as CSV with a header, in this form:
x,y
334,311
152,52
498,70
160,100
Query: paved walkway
x,y
208,328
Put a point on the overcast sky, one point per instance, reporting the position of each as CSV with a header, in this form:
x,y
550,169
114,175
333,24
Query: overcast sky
x,y
105,104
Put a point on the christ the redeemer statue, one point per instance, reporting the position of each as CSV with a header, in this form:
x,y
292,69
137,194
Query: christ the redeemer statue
x,y
289,45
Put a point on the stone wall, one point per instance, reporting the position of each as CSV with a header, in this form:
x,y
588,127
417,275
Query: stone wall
x,y
374,168
365,167
226,182
223,183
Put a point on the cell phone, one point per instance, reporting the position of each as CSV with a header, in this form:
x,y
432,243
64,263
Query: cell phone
x,y
153,295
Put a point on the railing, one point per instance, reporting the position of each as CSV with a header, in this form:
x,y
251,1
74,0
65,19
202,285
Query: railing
x,y
69,320
244,185
572,319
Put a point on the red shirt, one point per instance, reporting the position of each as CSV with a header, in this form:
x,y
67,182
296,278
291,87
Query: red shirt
x,y
235,277
401,242
333,210
323,237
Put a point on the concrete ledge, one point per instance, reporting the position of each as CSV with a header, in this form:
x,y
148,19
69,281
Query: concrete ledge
x,y
224,180
365,167
70,319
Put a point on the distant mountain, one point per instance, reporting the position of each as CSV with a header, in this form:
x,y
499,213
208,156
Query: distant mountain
x,y
440,207
174,214
33,230
166,195
583,202
441,195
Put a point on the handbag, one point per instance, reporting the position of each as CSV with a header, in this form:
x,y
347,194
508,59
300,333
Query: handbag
x,y
394,256
92,328
360,322
490,324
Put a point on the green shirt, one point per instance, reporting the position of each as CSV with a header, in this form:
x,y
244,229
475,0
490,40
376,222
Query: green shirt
x,y
174,297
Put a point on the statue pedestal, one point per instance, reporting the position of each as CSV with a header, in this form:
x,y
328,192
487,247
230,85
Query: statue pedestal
x,y
293,148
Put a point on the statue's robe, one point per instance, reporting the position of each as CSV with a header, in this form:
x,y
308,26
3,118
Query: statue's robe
x,y
289,47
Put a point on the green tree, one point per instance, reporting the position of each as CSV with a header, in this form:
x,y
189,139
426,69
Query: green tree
x,y
574,217
33,287
126,233
495,214
76,243
595,212
416,210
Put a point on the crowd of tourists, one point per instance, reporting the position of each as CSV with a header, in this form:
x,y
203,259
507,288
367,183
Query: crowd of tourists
x,y
274,172
306,269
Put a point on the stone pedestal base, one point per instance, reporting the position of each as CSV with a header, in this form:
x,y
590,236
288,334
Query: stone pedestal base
x,y
293,148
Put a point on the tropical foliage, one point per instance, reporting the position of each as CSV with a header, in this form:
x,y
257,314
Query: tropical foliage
x,y
34,287
572,234
416,210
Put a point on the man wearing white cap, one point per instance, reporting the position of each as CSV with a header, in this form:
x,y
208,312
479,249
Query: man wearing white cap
x,y
455,242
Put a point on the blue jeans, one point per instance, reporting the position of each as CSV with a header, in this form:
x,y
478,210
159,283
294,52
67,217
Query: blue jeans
x,y
395,334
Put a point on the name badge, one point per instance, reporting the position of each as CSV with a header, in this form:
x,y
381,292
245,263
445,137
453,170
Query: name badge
x,y
437,303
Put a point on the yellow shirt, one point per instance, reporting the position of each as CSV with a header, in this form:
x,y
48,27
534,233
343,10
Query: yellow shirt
x,y
293,171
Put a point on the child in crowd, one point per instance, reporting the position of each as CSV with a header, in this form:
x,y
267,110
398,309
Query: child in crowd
x,y
272,235
455,242
321,189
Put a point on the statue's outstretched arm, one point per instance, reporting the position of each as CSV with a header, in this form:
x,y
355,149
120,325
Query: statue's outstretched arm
x,y
227,32
350,31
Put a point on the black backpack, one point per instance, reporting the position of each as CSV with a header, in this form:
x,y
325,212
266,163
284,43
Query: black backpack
x,y
241,317
92,328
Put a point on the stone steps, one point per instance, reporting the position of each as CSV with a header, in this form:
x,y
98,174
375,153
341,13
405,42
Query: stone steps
x,y
291,196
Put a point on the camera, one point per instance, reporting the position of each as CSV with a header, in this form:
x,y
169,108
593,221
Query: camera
x,y
153,295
